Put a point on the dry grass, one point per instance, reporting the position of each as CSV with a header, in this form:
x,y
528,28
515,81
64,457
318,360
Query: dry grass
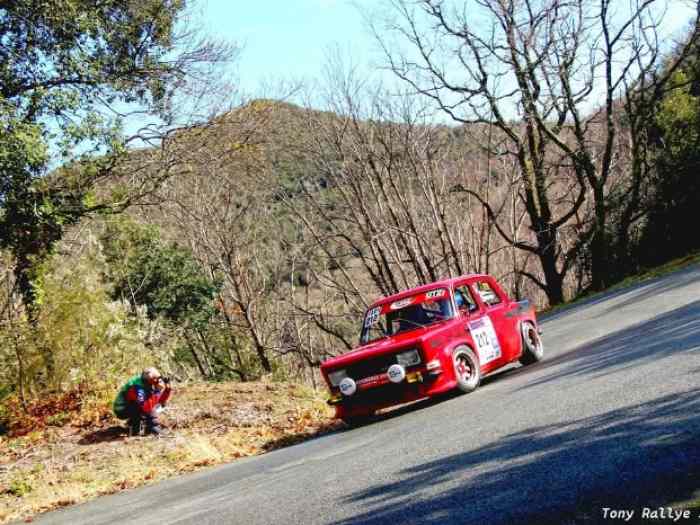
x,y
209,424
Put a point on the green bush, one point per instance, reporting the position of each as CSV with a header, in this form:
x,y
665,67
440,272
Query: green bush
x,y
19,488
78,334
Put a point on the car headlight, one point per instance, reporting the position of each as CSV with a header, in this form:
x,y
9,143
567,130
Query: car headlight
x,y
410,358
336,377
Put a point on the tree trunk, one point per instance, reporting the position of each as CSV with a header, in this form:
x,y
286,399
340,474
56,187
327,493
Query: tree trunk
x,y
600,256
554,281
197,360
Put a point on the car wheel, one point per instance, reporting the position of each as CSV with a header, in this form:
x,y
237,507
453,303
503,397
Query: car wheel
x,y
533,350
466,368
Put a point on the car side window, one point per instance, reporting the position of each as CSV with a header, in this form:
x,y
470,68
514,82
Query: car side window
x,y
487,293
464,299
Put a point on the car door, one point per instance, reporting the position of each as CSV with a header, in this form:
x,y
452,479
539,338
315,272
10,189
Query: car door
x,y
478,322
496,305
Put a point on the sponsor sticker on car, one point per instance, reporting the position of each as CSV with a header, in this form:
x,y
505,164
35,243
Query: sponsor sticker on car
x,y
485,339
347,386
396,373
370,379
403,303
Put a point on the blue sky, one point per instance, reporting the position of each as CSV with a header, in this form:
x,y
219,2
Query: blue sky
x,y
288,39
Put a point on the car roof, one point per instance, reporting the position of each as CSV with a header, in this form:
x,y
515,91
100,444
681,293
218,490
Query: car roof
x,y
444,283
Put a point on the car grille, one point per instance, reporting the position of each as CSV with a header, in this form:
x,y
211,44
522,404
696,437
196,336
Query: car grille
x,y
370,367
374,366
388,393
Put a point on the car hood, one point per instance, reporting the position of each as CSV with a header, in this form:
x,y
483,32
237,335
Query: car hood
x,y
388,345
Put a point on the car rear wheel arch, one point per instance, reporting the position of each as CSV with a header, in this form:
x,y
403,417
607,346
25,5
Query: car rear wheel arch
x,y
531,342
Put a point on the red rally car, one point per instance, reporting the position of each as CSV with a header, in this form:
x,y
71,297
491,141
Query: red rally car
x,y
429,340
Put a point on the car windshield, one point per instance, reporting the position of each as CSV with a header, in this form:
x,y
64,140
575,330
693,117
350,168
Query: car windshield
x,y
406,314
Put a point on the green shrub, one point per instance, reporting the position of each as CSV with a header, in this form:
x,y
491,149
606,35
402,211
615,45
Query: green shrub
x,y
19,488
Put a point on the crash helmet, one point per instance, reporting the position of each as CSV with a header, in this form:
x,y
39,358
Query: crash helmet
x,y
459,299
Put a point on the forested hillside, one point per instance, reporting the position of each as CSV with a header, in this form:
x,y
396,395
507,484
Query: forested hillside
x,y
248,242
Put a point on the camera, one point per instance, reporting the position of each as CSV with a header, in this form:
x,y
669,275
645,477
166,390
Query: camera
x,y
166,380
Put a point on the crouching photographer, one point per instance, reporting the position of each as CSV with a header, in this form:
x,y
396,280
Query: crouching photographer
x,y
141,399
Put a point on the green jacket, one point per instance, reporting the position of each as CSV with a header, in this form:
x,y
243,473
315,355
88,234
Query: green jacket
x,y
119,404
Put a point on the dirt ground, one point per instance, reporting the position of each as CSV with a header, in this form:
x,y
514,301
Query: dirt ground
x,y
72,460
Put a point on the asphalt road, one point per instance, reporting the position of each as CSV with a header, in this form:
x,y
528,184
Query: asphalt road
x,y
610,419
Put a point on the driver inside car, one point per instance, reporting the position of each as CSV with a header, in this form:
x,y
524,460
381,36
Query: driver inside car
x,y
459,300
409,318
463,302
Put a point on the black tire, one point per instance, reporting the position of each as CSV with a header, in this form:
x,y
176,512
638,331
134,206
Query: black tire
x,y
466,368
533,350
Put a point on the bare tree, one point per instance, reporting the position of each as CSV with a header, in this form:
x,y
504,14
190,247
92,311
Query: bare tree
x,y
378,204
535,69
227,210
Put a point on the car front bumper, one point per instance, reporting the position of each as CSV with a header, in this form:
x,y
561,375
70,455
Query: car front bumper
x,y
370,397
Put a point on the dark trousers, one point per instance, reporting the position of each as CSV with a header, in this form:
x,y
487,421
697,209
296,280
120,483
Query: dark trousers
x,y
136,420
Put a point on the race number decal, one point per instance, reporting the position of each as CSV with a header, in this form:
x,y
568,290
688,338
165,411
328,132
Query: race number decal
x,y
485,339
372,316
435,293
